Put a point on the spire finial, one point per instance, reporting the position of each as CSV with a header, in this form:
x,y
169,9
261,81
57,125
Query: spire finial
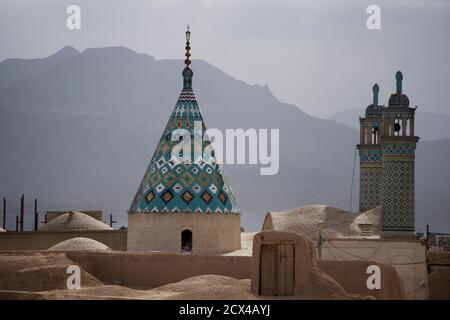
x,y
188,39
375,90
187,72
399,78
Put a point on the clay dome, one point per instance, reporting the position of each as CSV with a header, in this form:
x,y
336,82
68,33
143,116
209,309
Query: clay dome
x,y
74,221
374,110
79,244
330,222
399,99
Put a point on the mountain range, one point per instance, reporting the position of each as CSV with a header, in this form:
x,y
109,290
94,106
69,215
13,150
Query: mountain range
x,y
78,130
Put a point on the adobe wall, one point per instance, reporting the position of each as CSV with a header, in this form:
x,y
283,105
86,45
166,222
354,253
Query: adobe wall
x,y
42,240
439,282
408,257
309,272
150,270
297,264
352,276
439,278
213,233
157,269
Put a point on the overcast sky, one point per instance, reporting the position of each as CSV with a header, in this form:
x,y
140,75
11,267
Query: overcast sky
x,y
318,55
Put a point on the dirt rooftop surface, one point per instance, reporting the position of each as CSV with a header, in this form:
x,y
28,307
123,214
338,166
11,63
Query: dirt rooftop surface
x,y
40,275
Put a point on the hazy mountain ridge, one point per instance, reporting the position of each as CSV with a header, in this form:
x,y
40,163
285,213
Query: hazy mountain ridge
x,y
80,134
13,70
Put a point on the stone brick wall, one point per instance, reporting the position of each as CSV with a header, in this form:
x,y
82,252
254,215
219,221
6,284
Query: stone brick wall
x,y
212,233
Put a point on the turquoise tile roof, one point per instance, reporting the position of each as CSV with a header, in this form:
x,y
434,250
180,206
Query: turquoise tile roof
x,y
195,186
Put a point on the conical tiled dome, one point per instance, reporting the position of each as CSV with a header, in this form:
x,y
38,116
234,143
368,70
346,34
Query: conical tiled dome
x,y
198,185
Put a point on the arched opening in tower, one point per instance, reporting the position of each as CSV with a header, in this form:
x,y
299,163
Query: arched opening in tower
x,y
186,241
375,135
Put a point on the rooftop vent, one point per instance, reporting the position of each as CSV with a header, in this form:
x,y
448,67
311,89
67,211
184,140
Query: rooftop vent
x,y
366,229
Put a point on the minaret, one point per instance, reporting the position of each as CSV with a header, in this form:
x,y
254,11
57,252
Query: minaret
x,y
370,155
398,152
184,205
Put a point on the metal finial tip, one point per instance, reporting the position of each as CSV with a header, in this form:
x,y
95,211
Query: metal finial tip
x,y
375,88
188,33
399,78
188,47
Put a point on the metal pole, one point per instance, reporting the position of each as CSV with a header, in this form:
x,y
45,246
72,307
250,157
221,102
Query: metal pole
x,y
17,223
428,249
111,221
22,210
4,213
36,216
